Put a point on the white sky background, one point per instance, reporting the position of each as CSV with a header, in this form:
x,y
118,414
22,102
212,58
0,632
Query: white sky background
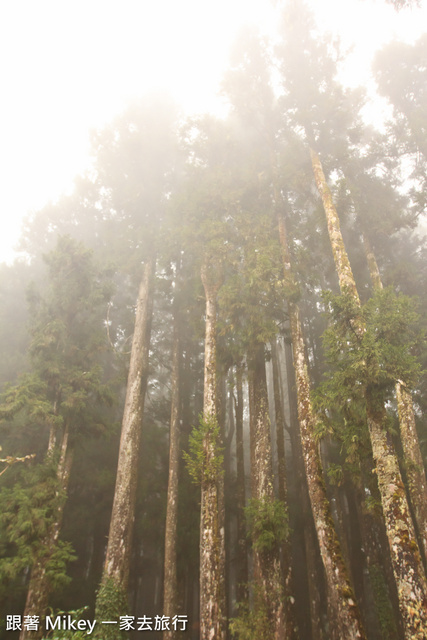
x,y
68,66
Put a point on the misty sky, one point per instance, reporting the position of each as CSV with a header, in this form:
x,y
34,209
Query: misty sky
x,y
67,67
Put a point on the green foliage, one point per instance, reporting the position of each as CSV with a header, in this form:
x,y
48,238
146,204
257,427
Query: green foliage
x,y
252,624
63,393
58,558
251,300
29,509
205,461
267,523
111,603
68,338
335,474
30,399
366,362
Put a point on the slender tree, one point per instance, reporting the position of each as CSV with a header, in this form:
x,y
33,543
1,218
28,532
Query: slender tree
x,y
115,577
212,549
267,516
242,550
170,563
282,491
344,615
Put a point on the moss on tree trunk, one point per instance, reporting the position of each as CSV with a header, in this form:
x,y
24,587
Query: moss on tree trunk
x,y
212,533
269,591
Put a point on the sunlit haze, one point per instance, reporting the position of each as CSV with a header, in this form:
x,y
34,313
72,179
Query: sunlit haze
x,y
69,67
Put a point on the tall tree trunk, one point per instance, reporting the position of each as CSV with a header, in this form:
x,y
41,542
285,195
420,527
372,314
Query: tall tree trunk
x,y
305,526
280,425
242,550
39,587
267,570
405,555
113,591
414,465
374,271
380,597
342,263
170,607
229,490
306,494
291,625
221,413
344,615
212,546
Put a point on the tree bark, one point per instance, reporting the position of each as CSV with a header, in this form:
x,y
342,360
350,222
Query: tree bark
x,y
285,560
117,562
344,615
414,465
405,555
212,534
379,591
242,550
267,569
170,603
315,572
280,425
374,271
342,264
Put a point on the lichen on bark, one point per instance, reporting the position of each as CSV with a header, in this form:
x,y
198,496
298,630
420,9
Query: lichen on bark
x,y
263,506
212,530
